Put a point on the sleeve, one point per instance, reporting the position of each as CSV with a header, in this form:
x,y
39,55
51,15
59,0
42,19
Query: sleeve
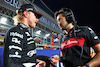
x,y
91,37
15,47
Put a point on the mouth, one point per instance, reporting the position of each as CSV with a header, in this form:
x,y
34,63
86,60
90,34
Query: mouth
x,y
35,23
60,26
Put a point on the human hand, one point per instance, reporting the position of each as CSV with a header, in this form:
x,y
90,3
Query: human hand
x,y
41,62
55,59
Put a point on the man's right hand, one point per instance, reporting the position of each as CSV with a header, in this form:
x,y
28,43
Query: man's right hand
x,y
55,59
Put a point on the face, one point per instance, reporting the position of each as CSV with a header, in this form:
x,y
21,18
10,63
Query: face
x,y
32,20
62,23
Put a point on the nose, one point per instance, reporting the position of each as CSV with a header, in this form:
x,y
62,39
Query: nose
x,y
58,22
37,19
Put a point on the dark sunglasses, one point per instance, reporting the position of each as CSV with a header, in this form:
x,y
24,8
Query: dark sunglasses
x,y
37,16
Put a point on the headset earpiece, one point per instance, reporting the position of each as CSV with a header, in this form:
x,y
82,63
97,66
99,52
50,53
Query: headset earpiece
x,y
69,15
69,19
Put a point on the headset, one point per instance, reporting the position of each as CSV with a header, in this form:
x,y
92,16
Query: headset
x,y
68,13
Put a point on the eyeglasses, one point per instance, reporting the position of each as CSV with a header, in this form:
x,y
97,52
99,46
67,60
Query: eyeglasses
x,y
34,13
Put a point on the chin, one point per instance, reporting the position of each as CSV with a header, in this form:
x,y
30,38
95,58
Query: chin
x,y
63,29
33,26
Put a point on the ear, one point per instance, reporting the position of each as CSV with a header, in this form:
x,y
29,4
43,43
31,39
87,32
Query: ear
x,y
26,14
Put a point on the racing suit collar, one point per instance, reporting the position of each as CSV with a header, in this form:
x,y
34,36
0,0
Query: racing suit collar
x,y
23,25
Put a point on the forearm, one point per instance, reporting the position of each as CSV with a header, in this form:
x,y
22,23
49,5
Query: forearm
x,y
95,61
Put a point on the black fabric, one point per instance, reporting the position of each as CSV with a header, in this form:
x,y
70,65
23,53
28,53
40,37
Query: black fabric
x,y
76,46
47,59
19,47
61,59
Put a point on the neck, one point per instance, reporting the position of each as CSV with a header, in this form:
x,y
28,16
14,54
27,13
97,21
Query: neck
x,y
70,26
24,21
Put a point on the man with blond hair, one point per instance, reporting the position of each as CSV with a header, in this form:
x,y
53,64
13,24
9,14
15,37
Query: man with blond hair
x,y
19,46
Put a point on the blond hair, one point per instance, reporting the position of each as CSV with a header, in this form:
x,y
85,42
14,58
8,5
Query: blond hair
x,y
17,19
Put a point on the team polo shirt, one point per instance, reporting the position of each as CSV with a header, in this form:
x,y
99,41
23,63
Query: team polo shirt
x,y
76,46
19,47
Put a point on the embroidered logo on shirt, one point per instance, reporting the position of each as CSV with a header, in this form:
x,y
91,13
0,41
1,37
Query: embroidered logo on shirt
x,y
96,37
31,53
72,42
16,34
91,31
15,55
16,40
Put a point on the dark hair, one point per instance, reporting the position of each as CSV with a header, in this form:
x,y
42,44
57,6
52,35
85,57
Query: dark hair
x,y
67,13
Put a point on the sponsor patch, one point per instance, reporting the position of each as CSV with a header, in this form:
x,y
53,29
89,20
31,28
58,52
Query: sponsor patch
x,y
31,53
72,42
16,34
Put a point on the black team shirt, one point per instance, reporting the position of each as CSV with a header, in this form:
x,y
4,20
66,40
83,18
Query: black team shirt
x,y
76,46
